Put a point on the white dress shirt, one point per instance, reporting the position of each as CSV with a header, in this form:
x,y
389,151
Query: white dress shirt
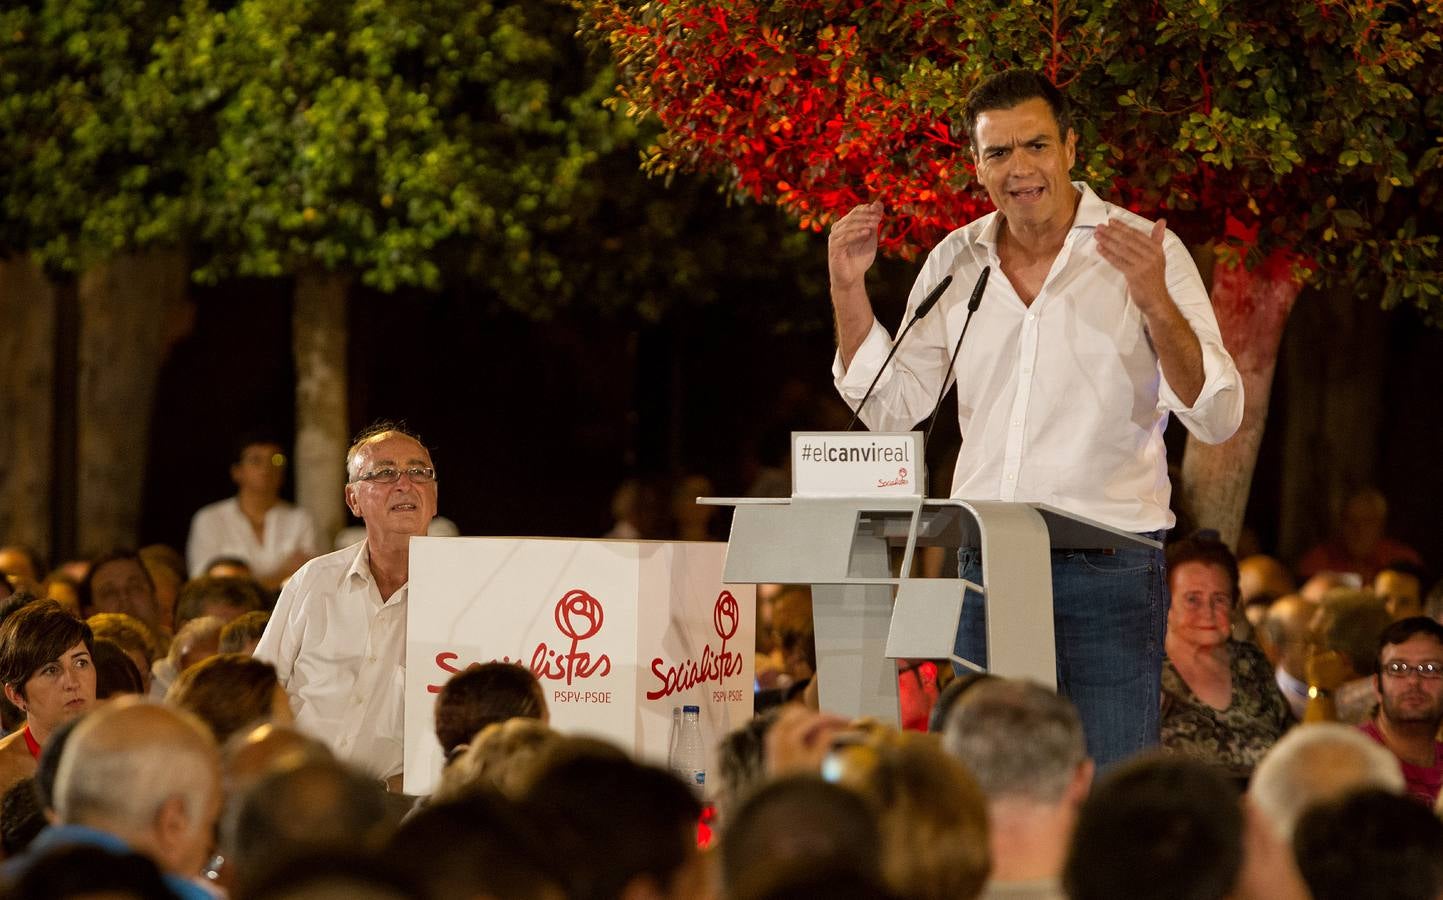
x,y
340,652
221,529
1061,402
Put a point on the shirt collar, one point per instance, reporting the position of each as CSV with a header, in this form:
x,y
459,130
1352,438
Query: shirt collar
x,y
361,566
1091,212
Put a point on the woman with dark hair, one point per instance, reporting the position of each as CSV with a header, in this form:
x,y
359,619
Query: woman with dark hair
x,y
230,691
47,671
1220,702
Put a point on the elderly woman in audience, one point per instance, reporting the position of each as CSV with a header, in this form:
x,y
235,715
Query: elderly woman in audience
x,y
1220,702
47,672
230,691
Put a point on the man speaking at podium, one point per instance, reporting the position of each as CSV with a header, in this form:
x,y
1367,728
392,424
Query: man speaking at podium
x,y
1094,326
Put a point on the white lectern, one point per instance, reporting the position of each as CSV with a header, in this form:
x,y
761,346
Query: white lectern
x,y
865,616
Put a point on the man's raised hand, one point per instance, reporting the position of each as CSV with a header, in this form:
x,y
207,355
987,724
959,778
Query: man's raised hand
x,y
852,244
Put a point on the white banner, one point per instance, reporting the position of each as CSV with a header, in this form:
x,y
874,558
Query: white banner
x,y
618,632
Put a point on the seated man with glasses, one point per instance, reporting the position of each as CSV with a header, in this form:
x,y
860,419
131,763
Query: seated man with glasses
x,y
338,634
1410,702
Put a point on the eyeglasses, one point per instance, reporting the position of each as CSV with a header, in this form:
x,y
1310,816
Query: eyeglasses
x,y
388,475
1424,669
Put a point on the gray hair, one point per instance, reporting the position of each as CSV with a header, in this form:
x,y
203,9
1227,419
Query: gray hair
x,y
1315,763
126,760
1018,738
370,435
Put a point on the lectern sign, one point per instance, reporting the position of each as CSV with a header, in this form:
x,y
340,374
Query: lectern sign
x,y
857,464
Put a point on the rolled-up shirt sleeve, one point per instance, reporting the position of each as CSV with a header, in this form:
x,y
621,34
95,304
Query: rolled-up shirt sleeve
x,y
1218,411
907,390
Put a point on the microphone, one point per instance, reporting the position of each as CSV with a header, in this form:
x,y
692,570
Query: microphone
x,y
972,304
922,309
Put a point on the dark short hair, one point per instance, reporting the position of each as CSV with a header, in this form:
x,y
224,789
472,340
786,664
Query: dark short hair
x,y
1206,548
22,817
1370,844
115,673
480,696
34,635
227,692
250,439
87,594
477,844
637,820
47,768
244,593
794,825
1013,88
1157,827
73,870
1402,630
1409,568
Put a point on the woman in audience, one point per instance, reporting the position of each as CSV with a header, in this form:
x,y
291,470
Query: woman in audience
x,y
933,816
1220,702
48,673
502,758
229,692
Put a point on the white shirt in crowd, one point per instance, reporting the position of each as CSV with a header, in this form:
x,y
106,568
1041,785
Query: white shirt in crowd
x,y
1062,402
340,652
221,529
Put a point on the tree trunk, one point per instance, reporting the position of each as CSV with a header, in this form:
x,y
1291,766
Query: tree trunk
x,y
27,378
127,309
1252,307
320,337
1333,361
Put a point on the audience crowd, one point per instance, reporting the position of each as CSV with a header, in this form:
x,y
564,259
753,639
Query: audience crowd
x,y
148,753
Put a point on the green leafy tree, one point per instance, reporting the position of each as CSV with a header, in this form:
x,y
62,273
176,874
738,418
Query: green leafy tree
x,y
1292,141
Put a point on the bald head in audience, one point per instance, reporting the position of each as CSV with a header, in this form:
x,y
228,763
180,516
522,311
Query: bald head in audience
x,y
148,775
1317,763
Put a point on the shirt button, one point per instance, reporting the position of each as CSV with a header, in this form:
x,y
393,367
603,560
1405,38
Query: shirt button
x,y
1011,477
357,701
1031,316
372,658
1027,370
1016,423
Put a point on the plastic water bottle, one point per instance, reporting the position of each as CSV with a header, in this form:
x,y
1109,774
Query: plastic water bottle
x,y
672,736
688,756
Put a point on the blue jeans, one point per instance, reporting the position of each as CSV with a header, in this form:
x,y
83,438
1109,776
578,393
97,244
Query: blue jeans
x,y
1110,616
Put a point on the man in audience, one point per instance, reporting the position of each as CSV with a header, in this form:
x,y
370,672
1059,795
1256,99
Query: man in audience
x,y
143,778
1360,545
482,695
1371,845
798,824
337,636
300,810
1173,828
118,583
622,828
1317,763
1344,658
1400,586
1285,638
1409,685
1024,744
478,845
274,537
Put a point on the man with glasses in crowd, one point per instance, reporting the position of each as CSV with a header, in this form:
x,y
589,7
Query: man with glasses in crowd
x,y
338,634
1410,702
